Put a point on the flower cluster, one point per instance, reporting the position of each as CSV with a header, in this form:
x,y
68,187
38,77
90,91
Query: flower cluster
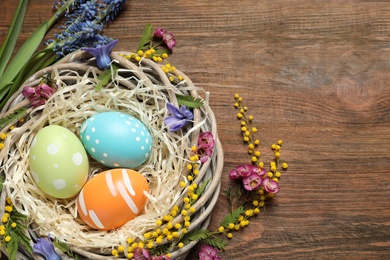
x,y
251,175
40,94
84,22
167,37
247,197
13,230
208,253
154,44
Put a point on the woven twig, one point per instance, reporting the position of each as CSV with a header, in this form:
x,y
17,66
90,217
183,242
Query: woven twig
x,y
141,89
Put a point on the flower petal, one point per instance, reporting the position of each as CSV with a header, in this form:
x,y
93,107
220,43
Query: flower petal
x,y
102,54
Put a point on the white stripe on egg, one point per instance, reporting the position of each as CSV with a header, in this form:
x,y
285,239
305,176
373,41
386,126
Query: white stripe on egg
x,y
95,219
110,183
128,182
82,203
129,201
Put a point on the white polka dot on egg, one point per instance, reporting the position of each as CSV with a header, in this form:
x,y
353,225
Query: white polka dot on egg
x,y
77,159
59,184
52,149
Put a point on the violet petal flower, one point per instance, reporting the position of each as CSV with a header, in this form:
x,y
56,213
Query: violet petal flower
x,y
234,175
44,247
141,254
245,170
270,185
208,253
204,152
159,32
44,90
169,40
180,117
206,138
28,91
102,54
252,182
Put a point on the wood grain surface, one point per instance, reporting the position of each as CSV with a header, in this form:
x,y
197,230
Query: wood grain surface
x,y
315,74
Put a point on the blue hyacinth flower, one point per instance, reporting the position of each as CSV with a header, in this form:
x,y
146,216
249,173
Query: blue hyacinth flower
x,y
102,54
44,247
179,118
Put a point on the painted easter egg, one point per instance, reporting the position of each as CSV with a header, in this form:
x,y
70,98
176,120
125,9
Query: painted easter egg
x,y
116,139
58,162
112,198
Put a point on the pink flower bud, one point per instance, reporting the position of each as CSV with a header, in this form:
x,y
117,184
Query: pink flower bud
x,y
28,91
159,32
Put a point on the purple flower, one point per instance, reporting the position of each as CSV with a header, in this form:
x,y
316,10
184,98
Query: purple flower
x,y
45,91
206,138
159,32
166,36
44,247
141,254
234,174
252,175
102,54
252,181
169,40
204,151
270,186
39,94
179,118
243,170
208,253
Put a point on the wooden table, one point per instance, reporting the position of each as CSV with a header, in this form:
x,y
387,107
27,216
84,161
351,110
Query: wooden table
x,y
314,74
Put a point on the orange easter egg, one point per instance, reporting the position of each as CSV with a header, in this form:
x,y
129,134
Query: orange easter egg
x,y
112,198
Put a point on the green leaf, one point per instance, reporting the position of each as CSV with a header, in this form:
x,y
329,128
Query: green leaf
x,y
24,239
15,116
216,242
12,246
202,186
64,248
232,217
205,236
4,90
146,37
189,101
161,50
105,77
12,35
24,54
195,235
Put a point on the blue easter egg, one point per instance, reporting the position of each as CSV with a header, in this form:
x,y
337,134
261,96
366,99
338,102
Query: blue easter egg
x,y
116,139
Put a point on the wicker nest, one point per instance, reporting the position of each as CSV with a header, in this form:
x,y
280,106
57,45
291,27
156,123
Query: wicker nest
x,y
141,89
